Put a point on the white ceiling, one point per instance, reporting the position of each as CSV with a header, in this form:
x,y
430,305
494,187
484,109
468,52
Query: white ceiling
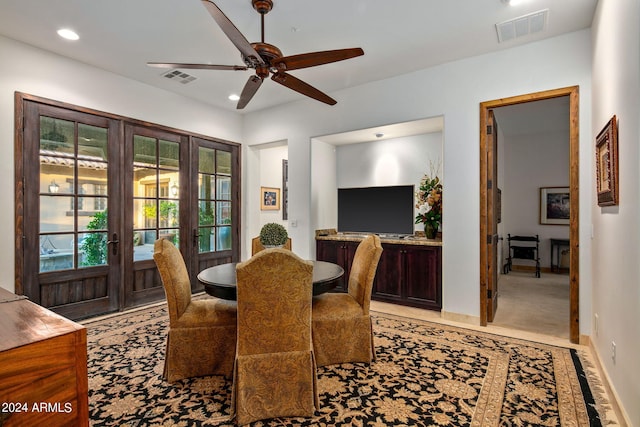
x,y
549,115
396,130
398,37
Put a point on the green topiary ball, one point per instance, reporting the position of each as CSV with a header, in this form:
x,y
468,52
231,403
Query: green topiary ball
x,y
273,234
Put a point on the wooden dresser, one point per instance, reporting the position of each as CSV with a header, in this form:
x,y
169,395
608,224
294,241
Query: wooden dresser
x,y
43,366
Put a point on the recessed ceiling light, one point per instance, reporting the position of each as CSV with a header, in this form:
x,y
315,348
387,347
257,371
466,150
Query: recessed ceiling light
x,y
68,34
234,97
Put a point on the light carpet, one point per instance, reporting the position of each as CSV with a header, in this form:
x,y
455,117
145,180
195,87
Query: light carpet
x,y
426,374
533,304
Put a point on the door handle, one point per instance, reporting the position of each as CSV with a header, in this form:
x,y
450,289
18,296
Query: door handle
x,y
114,241
196,235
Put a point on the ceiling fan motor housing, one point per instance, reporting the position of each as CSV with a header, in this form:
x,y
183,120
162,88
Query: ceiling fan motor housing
x,y
267,52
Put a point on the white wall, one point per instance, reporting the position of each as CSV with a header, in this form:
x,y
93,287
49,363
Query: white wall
x,y
396,161
39,73
530,162
271,157
324,202
453,90
615,263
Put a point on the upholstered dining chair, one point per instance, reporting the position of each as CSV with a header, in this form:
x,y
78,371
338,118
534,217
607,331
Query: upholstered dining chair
x,y
275,370
256,245
202,333
342,328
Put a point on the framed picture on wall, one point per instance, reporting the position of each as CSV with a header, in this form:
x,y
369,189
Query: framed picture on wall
x,y
269,199
285,189
554,205
607,164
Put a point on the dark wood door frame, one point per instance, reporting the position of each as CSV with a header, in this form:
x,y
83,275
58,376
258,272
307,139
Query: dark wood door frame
x,y
486,205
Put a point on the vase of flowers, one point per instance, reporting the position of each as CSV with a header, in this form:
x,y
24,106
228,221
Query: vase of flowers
x,y
429,204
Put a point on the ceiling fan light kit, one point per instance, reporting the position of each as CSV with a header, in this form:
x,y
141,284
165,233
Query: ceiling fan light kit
x,y
266,59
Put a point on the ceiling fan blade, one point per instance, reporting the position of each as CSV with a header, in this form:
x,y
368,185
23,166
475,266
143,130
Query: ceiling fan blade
x,y
304,60
250,89
304,88
196,66
232,32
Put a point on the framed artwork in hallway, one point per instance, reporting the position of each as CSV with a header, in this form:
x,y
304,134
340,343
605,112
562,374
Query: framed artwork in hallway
x,y
607,164
554,205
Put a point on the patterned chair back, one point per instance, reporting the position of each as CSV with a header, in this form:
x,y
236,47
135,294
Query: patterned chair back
x,y
363,270
256,245
175,277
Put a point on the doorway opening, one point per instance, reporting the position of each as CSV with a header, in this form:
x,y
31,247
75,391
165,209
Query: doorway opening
x,y
268,172
491,253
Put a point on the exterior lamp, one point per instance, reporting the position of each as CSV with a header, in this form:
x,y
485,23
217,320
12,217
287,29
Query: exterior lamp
x,y
53,187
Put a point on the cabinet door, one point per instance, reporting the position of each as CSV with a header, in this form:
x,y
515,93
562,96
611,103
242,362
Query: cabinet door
x,y
387,284
327,250
335,252
423,279
346,253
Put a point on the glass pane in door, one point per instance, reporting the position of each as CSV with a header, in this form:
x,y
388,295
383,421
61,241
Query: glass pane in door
x,y
214,200
156,192
73,195
223,164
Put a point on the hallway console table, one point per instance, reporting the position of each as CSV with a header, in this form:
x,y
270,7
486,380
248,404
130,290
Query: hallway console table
x,y
409,272
43,366
556,246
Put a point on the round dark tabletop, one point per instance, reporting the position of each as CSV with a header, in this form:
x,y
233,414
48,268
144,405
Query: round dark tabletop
x,y
220,280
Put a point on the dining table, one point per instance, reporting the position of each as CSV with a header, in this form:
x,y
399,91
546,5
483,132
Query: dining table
x,y
220,280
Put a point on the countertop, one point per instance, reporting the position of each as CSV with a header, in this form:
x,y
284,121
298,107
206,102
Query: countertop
x,y
384,238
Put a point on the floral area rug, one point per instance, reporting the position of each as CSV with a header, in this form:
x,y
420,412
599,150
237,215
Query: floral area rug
x,y
426,374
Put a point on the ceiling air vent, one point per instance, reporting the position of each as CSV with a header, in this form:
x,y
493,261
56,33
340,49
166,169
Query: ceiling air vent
x,y
179,76
522,26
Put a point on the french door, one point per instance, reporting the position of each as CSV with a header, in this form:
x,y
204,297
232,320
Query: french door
x,y
93,195
71,226
216,224
154,168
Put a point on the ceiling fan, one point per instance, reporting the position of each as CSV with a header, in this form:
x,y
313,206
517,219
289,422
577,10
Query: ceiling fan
x,y
266,58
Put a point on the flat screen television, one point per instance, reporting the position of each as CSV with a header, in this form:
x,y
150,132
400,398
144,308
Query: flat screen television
x,y
382,210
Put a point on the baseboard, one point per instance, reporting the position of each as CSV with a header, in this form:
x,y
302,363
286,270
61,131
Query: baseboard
x,y
584,340
531,268
462,318
620,413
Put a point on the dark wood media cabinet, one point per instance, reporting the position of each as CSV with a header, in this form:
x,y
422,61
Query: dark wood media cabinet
x,y
409,272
